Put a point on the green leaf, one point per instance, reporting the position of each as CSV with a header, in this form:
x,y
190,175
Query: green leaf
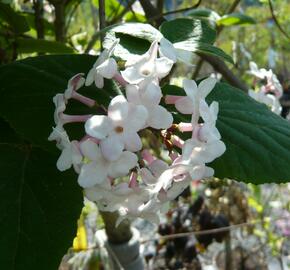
x,y
28,86
257,141
235,19
17,22
194,36
135,39
189,30
210,49
39,206
31,45
204,13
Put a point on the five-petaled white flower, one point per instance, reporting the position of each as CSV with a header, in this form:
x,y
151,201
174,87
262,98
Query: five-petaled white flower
x,y
118,130
96,169
190,103
104,67
149,96
147,67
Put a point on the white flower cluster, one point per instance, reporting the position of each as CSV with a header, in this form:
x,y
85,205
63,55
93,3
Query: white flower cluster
x,y
114,167
271,90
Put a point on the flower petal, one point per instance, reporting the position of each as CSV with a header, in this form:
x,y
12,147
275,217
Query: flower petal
x,y
151,95
99,80
118,108
167,49
137,117
184,105
163,66
64,162
121,167
190,88
92,173
131,75
99,126
132,94
132,141
90,77
159,118
205,87
112,147
108,69
91,150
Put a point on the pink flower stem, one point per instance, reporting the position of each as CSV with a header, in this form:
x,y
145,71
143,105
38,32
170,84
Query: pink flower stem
x,y
118,78
171,99
66,118
177,141
183,127
173,156
196,131
85,100
133,181
146,155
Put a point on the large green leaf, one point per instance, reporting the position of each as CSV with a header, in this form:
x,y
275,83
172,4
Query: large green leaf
x,y
17,22
31,45
194,36
134,39
28,86
204,14
39,206
235,19
257,141
189,30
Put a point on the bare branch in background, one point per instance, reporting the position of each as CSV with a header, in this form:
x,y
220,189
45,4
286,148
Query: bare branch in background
x,y
219,29
126,9
59,20
276,20
102,18
38,18
151,12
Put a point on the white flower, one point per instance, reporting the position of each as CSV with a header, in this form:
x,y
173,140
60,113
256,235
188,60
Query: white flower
x,y
118,130
60,106
147,67
259,73
70,155
98,169
149,96
270,100
196,152
190,103
208,131
155,169
75,83
104,67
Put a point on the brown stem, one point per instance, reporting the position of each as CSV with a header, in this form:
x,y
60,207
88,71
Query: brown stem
x,y
102,17
38,18
116,235
59,20
222,68
151,12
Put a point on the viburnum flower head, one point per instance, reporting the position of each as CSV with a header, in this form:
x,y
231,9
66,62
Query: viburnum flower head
x,y
104,67
147,67
118,130
96,169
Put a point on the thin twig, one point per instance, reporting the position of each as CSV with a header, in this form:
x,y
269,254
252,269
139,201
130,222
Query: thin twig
x,y
102,18
125,10
176,11
276,20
